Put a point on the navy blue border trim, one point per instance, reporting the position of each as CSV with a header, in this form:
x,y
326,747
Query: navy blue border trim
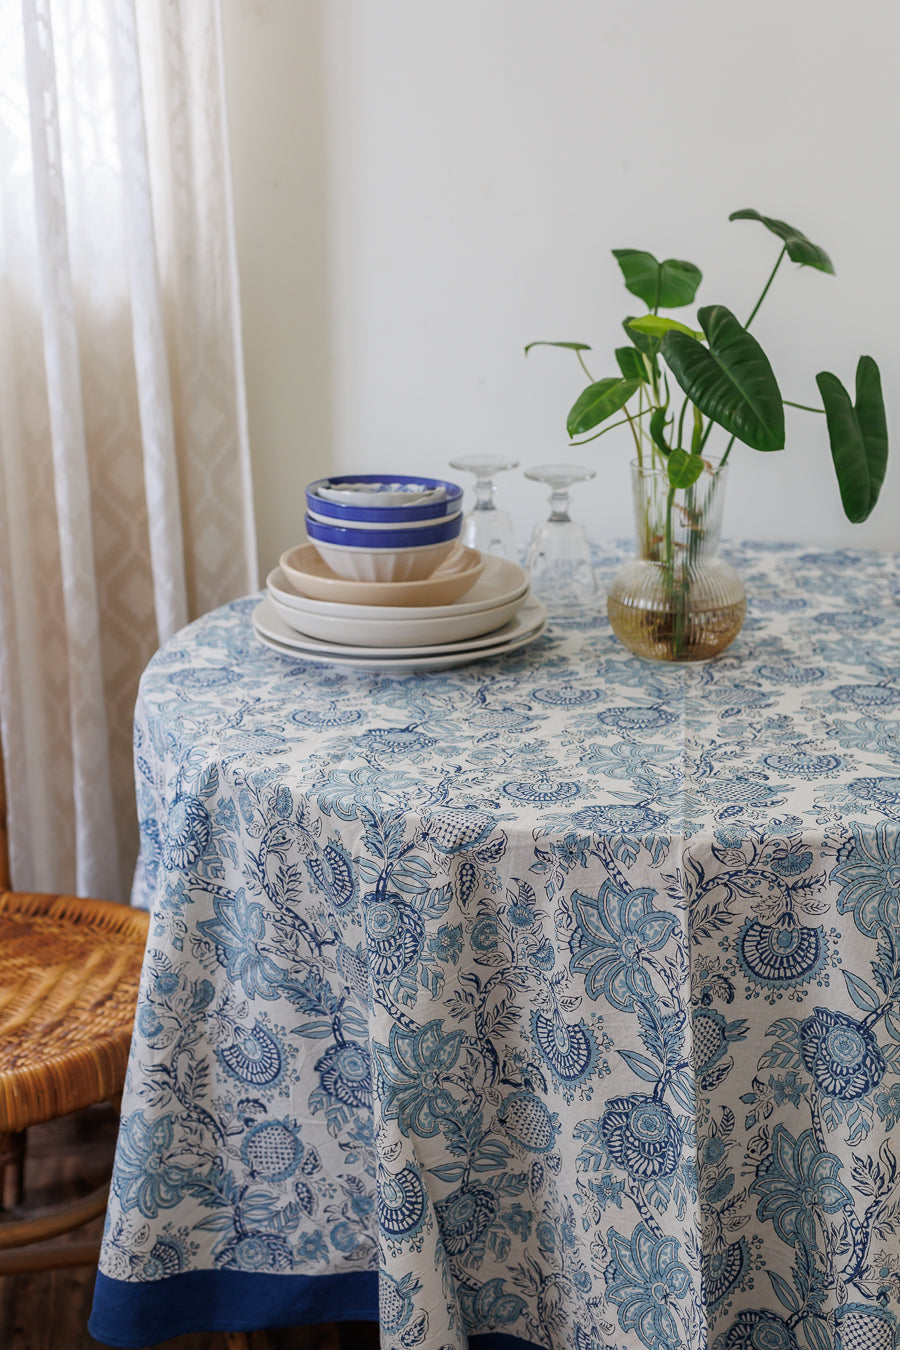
x,y
133,1315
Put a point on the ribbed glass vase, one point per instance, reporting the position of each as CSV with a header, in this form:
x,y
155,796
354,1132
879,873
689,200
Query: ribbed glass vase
x,y
677,600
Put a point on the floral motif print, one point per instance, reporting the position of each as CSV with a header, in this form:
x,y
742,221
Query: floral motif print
x,y
646,1279
642,1136
841,1054
617,931
562,990
798,1185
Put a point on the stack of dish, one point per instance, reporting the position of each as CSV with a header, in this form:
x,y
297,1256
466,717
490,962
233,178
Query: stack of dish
x,y
474,606
383,595
368,528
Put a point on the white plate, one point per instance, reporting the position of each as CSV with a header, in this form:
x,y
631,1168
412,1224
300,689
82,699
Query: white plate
x,y
396,665
396,632
500,581
267,623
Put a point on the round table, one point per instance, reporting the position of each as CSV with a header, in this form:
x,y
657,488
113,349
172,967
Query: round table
x,y
549,1001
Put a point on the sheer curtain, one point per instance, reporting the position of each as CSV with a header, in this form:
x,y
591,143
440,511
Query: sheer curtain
x,y
125,495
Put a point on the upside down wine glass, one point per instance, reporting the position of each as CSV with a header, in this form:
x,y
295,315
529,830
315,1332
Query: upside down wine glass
x,y
559,556
485,528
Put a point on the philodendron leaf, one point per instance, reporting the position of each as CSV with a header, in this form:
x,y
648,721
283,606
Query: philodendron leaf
x,y
599,401
799,248
654,326
643,341
631,364
684,469
858,436
667,285
731,382
571,346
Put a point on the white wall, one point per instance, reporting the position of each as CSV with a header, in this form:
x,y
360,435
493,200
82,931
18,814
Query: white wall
x,y
423,187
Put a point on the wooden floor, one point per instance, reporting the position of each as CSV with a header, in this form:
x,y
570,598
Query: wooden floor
x,y
49,1310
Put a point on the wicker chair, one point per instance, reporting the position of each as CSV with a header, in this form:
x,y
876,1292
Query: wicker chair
x,y
69,972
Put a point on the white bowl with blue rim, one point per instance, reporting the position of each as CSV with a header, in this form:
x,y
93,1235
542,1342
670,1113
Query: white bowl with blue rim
x,y
409,552
395,499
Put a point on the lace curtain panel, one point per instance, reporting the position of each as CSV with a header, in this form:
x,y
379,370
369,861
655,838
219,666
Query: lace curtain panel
x,y
125,494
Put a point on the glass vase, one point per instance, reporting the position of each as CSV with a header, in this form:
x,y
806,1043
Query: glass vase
x,y
677,600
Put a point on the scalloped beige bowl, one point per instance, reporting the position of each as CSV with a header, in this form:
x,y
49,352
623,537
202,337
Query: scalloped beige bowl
x,y
310,575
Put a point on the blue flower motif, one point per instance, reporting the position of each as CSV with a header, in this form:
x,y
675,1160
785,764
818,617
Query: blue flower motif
x,y
146,1178
645,1279
446,944
166,1257
842,1054
188,832
635,718
619,817
803,764
485,935
255,1057
401,1202
868,872
570,1052
642,1135
465,1216
344,1237
757,1329
395,935
616,930
237,932
797,1183
412,1069
256,1251
723,1269
345,1073
780,955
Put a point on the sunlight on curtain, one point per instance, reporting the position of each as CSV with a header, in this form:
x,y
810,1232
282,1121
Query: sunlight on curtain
x,y
125,496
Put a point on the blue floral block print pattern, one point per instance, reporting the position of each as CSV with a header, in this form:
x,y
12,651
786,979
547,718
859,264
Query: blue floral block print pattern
x,y
551,1001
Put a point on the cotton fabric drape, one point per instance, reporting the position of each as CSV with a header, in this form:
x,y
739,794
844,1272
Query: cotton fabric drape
x,y
125,493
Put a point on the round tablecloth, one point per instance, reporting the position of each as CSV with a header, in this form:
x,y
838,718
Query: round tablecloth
x,y
548,1001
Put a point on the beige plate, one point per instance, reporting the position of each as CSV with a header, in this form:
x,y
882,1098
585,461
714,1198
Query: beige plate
x,y
307,573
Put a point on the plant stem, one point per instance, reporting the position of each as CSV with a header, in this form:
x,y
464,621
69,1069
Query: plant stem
x,y
629,418
727,452
766,287
681,422
584,367
803,406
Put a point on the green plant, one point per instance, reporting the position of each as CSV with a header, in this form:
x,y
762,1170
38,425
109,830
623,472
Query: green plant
x,y
726,380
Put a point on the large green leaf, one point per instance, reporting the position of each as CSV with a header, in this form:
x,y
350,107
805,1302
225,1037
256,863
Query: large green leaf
x,y
858,436
643,341
731,382
571,346
653,325
667,285
631,364
799,248
684,469
599,401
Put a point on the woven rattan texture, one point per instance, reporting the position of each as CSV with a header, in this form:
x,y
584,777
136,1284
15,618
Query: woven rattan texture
x,y
69,973
4,848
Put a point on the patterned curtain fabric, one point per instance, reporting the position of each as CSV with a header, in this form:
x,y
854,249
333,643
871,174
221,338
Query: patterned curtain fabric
x,y
125,495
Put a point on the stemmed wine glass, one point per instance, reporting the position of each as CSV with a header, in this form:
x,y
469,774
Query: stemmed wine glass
x,y
486,528
559,557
